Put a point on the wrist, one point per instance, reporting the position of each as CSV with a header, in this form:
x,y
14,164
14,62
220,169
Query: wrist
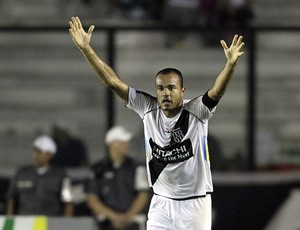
x,y
85,49
231,64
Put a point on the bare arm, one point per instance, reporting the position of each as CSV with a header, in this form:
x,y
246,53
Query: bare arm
x,y
233,54
118,219
99,208
103,70
138,204
10,207
68,210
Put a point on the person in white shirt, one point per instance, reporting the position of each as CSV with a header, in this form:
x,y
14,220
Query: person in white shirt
x,y
175,135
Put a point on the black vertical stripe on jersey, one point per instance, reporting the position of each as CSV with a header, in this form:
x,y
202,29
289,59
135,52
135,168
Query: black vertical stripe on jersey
x,y
156,166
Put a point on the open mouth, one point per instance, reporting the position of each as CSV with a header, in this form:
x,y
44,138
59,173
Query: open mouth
x,y
166,101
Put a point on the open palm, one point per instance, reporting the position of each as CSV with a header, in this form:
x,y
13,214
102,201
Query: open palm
x,y
235,51
79,36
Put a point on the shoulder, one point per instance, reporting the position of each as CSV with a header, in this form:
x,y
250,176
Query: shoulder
x,y
146,95
76,141
57,171
26,169
135,94
101,166
132,163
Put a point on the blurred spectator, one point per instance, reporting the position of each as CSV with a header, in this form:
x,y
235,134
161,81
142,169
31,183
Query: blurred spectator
x,y
217,159
235,15
180,13
71,151
40,189
132,9
219,162
209,12
119,190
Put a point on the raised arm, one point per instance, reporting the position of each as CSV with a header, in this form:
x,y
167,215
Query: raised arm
x,y
233,54
103,70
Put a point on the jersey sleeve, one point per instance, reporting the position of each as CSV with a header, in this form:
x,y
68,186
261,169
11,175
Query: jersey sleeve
x,y
141,182
199,109
66,190
140,102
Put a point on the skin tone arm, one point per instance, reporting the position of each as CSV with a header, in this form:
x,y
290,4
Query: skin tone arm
x,y
118,219
138,204
103,70
233,54
99,208
10,207
68,210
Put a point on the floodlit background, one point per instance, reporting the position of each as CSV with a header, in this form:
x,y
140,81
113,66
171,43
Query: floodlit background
x,y
45,81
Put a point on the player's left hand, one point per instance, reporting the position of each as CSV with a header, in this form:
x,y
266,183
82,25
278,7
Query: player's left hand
x,y
235,51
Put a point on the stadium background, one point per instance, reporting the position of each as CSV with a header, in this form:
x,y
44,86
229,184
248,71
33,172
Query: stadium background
x,y
44,80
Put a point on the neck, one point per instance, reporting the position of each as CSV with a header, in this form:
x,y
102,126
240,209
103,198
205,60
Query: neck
x,y
172,113
117,158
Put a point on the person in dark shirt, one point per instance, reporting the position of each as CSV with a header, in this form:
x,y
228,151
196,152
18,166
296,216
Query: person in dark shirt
x,y
119,190
40,189
71,151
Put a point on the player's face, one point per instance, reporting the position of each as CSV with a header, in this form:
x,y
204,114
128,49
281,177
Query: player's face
x,y
169,93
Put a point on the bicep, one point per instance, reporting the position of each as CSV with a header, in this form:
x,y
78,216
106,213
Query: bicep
x,y
121,89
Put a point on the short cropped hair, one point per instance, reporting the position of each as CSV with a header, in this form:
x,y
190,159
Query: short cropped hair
x,y
172,70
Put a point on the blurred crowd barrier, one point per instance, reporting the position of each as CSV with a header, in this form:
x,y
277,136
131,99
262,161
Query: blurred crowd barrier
x,y
240,200
46,223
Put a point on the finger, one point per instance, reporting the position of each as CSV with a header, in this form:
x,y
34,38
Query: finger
x,y
234,40
223,43
74,23
78,22
72,26
71,33
90,31
241,46
241,54
239,40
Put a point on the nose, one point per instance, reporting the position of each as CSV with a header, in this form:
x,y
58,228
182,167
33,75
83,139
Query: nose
x,y
166,92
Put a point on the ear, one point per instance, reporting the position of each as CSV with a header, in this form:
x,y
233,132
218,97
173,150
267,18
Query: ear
x,y
182,91
49,156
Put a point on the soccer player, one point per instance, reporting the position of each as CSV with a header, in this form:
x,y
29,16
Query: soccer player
x,y
175,135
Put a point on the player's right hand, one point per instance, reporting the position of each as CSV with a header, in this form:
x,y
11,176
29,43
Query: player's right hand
x,y
79,36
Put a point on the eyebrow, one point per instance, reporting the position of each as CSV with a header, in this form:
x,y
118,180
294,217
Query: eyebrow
x,y
166,86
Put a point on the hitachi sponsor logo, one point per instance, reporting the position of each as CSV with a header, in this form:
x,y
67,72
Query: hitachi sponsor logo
x,y
172,154
168,153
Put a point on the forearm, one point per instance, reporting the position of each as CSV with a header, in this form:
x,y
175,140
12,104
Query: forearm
x,y
10,207
222,81
103,70
69,210
138,204
106,73
99,208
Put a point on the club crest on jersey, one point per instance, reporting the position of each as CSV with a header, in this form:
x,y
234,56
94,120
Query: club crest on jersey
x,y
177,134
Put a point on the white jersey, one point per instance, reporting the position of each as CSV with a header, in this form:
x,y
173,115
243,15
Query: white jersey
x,y
177,155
